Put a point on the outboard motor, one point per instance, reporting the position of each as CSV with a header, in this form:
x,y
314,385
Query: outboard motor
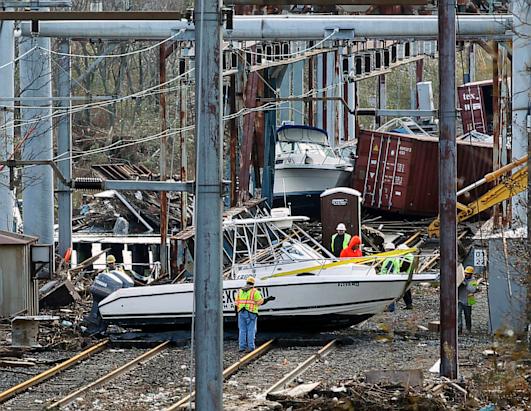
x,y
104,285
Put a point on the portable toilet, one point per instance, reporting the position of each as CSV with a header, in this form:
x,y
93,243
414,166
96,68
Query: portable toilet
x,y
340,205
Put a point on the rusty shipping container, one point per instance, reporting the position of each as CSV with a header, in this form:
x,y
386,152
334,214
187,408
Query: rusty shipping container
x,y
475,101
399,172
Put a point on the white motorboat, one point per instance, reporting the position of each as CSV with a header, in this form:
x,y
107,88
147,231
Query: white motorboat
x,y
312,288
305,166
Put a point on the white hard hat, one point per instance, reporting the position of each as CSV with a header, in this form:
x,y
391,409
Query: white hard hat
x,y
341,226
402,247
389,246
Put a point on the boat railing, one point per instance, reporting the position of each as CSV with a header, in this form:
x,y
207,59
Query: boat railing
x,y
310,155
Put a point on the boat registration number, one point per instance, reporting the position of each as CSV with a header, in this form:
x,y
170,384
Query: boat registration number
x,y
349,284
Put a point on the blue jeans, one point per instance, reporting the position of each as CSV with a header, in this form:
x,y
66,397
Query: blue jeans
x,y
247,326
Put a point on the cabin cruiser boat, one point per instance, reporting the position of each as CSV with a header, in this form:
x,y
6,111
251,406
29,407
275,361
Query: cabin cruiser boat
x,y
313,289
305,166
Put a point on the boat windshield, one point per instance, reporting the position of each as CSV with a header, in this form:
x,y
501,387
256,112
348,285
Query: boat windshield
x,y
308,153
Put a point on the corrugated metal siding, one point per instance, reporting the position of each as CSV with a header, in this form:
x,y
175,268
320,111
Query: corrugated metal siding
x,y
15,287
399,173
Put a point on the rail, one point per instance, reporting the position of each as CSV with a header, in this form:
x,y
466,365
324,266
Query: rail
x,y
45,375
108,377
228,372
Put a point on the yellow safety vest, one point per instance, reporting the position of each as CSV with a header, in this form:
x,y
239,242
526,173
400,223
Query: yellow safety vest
x,y
346,240
248,300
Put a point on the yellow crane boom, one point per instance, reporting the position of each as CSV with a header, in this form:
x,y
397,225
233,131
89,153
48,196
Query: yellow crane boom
x,y
507,188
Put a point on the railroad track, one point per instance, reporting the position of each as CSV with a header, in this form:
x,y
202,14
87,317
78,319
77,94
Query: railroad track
x,y
267,369
60,385
158,378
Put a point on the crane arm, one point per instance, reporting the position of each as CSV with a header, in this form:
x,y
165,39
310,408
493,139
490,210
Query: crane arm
x,y
509,187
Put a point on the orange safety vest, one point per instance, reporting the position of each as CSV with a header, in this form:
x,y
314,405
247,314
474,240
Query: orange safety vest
x,y
248,300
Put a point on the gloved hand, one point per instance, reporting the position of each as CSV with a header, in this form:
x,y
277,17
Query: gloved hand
x,y
270,298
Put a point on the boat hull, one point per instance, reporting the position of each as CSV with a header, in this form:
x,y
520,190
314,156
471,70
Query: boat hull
x,y
303,184
307,302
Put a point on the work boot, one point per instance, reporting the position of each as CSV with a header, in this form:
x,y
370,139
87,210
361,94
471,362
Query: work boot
x,y
408,307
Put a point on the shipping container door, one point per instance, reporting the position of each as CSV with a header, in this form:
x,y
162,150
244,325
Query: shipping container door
x,y
392,179
472,109
370,181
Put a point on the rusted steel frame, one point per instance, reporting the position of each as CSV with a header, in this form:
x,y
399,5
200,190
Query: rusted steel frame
x,y
163,172
107,377
286,379
447,189
233,142
496,148
45,375
248,134
228,371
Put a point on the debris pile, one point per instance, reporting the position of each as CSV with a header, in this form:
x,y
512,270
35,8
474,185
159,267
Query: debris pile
x,y
127,212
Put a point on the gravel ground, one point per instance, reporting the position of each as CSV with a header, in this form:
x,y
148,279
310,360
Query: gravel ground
x,y
70,379
153,385
253,380
386,341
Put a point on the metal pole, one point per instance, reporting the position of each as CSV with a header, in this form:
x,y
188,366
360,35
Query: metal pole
x,y
297,88
319,84
351,134
471,63
64,150
447,189
36,81
268,174
162,164
521,84
311,85
382,100
7,90
496,149
208,207
183,142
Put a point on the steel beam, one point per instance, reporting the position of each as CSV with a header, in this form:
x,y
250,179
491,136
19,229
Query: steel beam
x,y
131,185
64,150
90,15
37,181
281,27
7,93
329,2
163,254
447,189
208,207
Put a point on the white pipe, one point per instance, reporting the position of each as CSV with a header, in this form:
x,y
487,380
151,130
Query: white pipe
x,y
283,27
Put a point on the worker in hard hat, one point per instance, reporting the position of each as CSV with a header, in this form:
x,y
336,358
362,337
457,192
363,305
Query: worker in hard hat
x,y
111,264
340,240
406,266
353,249
466,299
248,301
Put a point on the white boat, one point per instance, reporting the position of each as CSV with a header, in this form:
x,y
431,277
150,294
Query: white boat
x,y
312,288
305,166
